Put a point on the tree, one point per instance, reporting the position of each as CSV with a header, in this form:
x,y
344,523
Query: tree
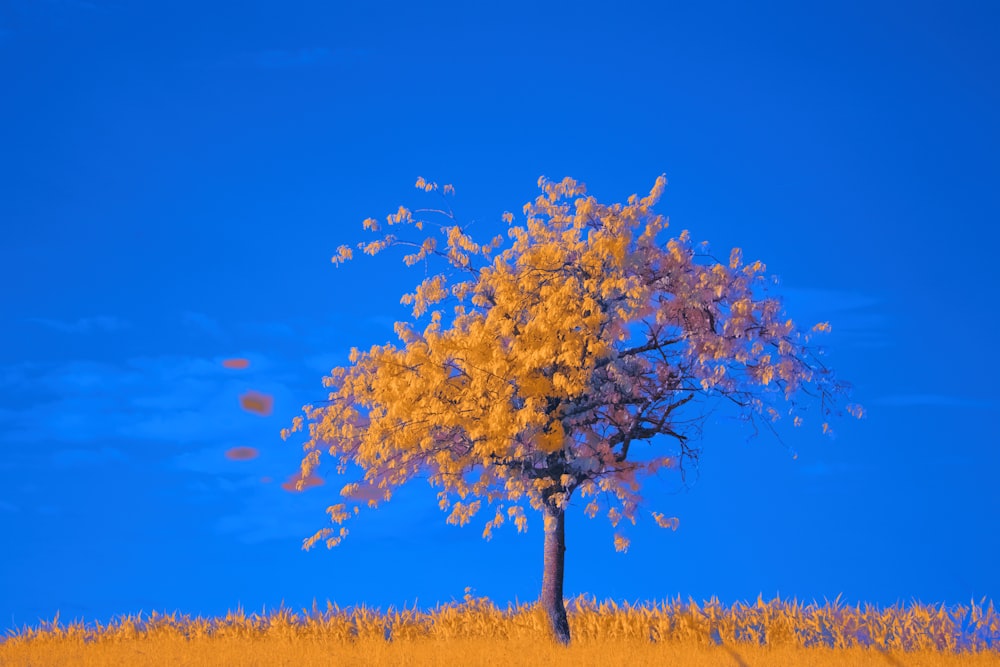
x,y
584,337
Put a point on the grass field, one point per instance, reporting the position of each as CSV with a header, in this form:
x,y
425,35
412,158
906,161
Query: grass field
x,y
476,632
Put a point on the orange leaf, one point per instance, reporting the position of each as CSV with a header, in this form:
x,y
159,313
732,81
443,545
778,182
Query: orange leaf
x,y
242,453
254,401
309,482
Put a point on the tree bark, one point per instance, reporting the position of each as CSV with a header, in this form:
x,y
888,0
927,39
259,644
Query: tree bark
x,y
552,575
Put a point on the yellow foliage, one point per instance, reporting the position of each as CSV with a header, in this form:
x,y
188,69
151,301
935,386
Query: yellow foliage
x,y
474,631
664,522
823,326
585,334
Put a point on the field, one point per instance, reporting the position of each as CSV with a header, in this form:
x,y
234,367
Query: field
x,y
476,632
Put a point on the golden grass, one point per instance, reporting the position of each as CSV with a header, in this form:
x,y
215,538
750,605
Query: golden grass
x,y
476,632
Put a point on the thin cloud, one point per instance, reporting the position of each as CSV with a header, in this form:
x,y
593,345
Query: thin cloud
x,y
318,56
214,462
324,363
828,299
14,375
66,420
826,469
82,378
75,458
932,401
269,508
203,324
266,517
76,4
271,513
857,318
268,330
84,325
302,58
169,399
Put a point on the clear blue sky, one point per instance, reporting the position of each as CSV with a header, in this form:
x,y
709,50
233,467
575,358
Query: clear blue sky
x,y
175,179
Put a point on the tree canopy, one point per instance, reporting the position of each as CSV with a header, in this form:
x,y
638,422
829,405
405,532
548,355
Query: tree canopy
x,y
583,337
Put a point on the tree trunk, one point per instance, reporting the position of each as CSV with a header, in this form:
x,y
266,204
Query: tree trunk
x,y
552,575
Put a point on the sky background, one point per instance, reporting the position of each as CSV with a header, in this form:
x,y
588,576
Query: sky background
x,y
175,178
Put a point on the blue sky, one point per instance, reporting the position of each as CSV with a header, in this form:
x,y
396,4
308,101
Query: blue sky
x,y
176,176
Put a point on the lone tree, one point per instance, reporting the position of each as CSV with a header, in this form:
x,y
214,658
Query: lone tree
x,y
584,337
